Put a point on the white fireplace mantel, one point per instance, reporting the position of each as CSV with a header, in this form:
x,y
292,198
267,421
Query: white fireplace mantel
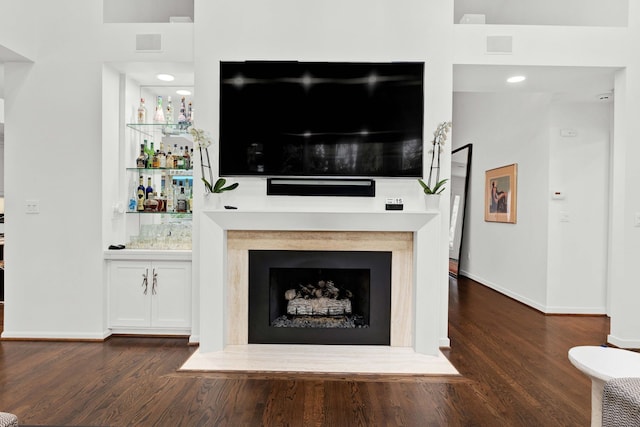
x,y
427,289
321,220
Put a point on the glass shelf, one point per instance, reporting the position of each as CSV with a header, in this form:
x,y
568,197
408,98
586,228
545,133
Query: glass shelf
x,y
171,171
167,129
175,214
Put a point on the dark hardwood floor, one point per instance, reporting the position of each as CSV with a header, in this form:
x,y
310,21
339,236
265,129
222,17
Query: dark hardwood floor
x,y
513,362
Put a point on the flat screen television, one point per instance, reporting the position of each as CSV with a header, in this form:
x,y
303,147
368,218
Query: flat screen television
x,y
321,119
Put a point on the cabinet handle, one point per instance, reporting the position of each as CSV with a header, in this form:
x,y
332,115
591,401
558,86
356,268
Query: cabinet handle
x,y
145,280
154,284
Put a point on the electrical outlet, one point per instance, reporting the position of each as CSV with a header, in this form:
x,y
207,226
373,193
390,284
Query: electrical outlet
x,y
32,206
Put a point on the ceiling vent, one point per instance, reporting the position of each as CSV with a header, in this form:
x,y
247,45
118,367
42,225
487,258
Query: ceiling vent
x,y
500,44
148,42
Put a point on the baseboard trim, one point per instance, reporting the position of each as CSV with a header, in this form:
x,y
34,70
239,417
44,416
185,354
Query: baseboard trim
x,y
550,310
513,295
623,343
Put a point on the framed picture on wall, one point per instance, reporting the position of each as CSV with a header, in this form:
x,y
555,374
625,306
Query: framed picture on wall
x,y
500,194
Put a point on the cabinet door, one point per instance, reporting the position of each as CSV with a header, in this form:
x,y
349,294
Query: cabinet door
x,y
171,299
129,306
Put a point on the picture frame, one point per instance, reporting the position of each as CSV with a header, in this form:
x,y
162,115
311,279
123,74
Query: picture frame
x,y
500,194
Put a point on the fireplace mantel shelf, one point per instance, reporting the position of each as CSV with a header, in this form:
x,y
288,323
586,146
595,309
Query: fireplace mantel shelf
x,y
320,220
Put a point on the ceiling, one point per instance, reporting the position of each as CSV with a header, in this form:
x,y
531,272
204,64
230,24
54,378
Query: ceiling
x,y
567,84
144,73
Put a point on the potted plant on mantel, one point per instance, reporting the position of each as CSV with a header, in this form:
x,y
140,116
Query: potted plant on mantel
x,y
434,185
202,140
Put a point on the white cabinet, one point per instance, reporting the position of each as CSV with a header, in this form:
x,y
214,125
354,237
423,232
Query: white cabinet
x,y
150,297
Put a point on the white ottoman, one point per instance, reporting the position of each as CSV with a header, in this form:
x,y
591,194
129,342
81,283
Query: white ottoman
x,y
602,364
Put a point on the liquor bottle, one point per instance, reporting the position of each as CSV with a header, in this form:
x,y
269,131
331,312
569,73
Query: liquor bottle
x,y
156,159
159,115
158,202
148,148
180,161
190,114
149,190
181,202
141,161
171,197
187,158
169,160
162,157
191,155
169,114
142,112
140,195
182,118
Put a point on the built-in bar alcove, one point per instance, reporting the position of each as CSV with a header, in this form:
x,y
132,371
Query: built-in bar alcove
x,y
319,297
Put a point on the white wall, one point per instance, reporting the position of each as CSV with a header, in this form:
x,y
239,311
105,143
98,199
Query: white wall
x,y
18,32
146,10
112,150
506,129
625,176
1,136
543,261
53,287
379,30
579,168
544,46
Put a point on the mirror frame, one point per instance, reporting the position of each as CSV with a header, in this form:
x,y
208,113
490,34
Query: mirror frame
x,y
465,199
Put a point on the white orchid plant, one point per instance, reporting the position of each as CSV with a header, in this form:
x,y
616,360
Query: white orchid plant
x,y
202,140
436,186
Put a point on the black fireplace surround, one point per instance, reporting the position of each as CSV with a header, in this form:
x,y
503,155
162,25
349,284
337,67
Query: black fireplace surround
x,y
367,276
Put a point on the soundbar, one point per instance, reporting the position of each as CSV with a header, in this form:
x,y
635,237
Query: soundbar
x,y
321,187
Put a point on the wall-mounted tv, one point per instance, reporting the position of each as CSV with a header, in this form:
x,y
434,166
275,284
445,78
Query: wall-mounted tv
x,y
320,119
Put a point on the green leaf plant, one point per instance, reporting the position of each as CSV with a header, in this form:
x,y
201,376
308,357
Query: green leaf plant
x,y
437,189
219,186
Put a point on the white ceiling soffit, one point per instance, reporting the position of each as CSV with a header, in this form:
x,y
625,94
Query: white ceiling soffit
x,y
590,13
568,83
145,73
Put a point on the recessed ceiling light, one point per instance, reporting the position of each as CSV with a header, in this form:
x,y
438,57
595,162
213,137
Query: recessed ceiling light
x,y
516,79
183,92
165,77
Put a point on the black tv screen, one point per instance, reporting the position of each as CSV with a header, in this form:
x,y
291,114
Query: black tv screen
x,y
319,119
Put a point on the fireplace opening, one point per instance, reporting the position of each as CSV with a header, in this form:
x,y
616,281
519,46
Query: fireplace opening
x,y
319,297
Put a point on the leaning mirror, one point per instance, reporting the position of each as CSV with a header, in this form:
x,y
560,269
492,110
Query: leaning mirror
x,y
460,172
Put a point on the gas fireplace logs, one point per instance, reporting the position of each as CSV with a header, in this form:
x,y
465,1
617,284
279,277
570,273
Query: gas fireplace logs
x,y
321,299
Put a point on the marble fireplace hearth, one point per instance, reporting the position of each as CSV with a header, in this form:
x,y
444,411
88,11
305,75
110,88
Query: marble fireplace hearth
x,y
416,299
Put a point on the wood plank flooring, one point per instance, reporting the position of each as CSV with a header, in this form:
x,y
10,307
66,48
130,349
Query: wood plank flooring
x,y
513,362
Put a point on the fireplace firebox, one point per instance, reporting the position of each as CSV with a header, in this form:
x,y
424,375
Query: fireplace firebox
x,y
319,297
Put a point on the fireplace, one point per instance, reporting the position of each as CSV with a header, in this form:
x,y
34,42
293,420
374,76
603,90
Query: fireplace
x,y
418,311
319,297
